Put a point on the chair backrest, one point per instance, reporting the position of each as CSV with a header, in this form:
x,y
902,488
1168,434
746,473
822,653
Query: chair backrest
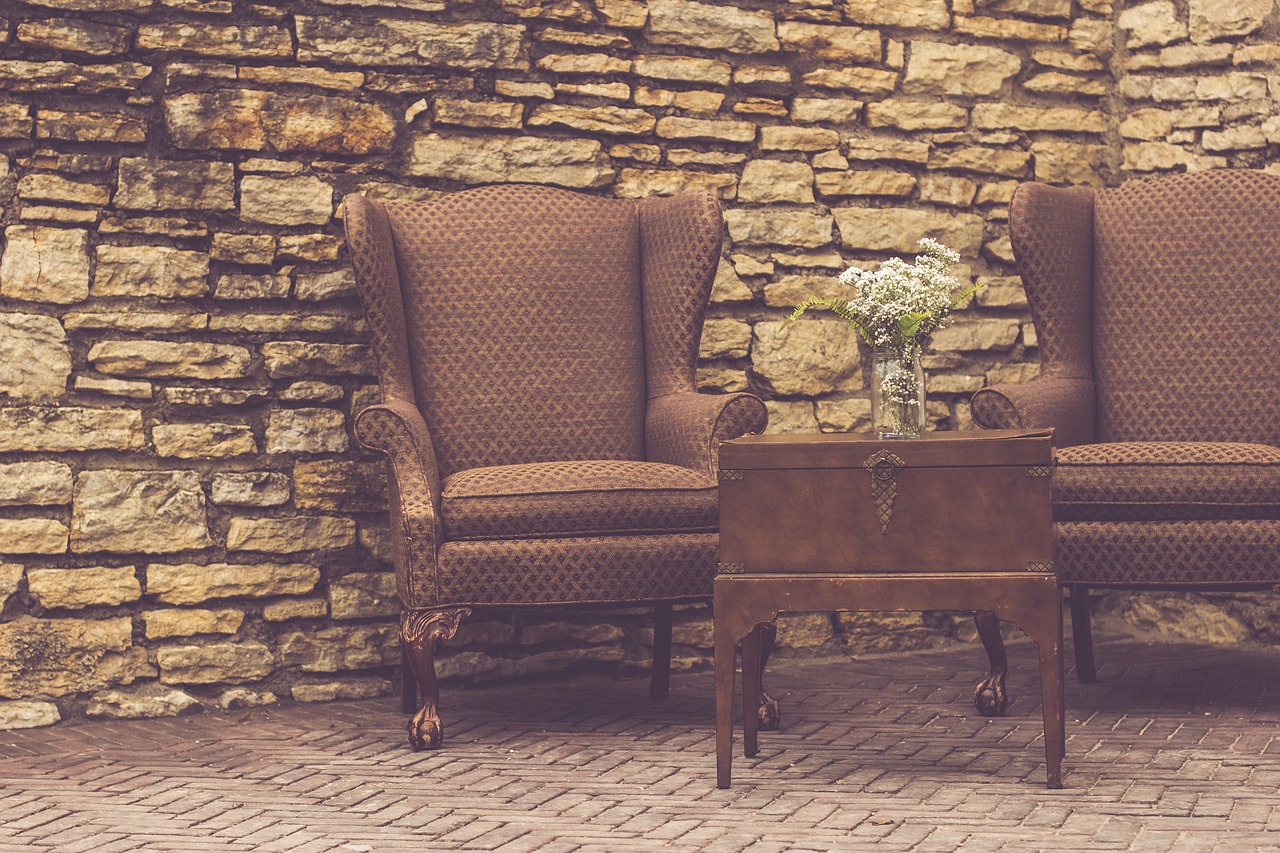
x,y
516,316
1186,308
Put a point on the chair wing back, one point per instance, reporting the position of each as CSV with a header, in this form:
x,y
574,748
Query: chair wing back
x,y
520,309
1186,343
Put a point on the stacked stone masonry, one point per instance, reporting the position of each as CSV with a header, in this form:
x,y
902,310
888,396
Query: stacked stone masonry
x,y
187,521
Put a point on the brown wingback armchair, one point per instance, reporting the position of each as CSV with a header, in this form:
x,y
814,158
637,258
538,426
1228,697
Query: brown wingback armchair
x,y
545,441
1155,309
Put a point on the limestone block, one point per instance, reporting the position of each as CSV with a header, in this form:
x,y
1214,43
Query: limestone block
x,y
55,188
27,714
203,440
390,41
583,63
917,115
708,27
189,621
275,75
75,36
1186,55
916,14
517,89
328,691
304,200
776,181
790,417
310,247
306,431
948,190
76,588
136,321
728,287
779,226
1212,19
608,119
150,271
250,488
210,396
214,663
1029,8
1237,138
876,182
900,230
725,337
54,657
324,392
243,286
884,148
10,578
1067,119
849,415
255,121
295,608
189,583
834,110
974,335
152,184
689,157
574,11
1183,615
341,647
53,76
782,138
212,40
15,123
573,163
340,485
1001,292
1066,60
1067,84
1068,162
149,701
716,130
90,126
44,264
841,44
718,378
150,512
34,359
789,291
290,535
642,183
686,68
33,536
697,100
629,14
1155,23
1008,29
871,82
317,287
363,594
499,114
1012,373
990,161
935,68
769,76
561,632
190,360
59,429
810,357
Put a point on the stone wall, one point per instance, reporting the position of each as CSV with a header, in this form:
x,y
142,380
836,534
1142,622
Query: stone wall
x,y
187,520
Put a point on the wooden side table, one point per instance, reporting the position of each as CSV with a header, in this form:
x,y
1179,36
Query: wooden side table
x,y
951,521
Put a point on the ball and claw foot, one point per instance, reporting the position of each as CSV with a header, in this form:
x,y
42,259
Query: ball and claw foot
x,y
769,713
989,696
425,730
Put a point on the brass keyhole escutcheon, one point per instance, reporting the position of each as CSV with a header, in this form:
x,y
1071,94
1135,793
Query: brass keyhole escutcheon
x,y
883,467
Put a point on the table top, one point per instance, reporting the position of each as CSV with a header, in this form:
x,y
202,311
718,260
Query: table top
x,y
957,448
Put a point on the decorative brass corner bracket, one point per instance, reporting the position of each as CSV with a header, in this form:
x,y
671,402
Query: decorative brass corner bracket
x,y
883,467
1040,567
1040,471
730,568
728,474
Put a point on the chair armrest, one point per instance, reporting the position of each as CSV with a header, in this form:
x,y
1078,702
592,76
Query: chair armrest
x,y
1067,405
686,428
397,429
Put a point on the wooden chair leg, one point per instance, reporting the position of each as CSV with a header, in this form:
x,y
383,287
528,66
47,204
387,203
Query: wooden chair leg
x,y
1082,634
408,684
770,710
660,678
421,632
990,696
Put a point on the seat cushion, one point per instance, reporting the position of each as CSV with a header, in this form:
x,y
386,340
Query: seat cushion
x,y
1166,481
548,499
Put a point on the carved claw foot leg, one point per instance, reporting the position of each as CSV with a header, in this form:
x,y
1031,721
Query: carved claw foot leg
x,y
769,711
990,696
421,632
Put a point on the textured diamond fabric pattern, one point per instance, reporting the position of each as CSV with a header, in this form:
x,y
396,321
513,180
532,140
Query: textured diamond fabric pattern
x,y
1167,553
577,498
1156,480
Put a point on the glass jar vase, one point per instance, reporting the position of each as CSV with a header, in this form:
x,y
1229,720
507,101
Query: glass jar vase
x,y
897,393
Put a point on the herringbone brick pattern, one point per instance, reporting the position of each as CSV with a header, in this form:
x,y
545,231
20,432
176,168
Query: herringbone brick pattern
x,y
1176,748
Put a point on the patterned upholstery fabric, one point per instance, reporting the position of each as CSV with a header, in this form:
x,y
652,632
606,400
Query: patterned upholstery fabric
x,y
1155,480
1154,309
536,351
578,498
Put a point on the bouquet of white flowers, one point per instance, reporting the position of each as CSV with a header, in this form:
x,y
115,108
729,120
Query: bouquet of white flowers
x,y
896,309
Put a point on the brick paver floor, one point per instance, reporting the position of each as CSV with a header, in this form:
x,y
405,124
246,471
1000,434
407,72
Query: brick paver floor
x,y
1175,748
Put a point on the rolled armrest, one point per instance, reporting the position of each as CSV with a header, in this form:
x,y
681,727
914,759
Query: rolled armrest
x,y
397,429
686,428
1067,405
